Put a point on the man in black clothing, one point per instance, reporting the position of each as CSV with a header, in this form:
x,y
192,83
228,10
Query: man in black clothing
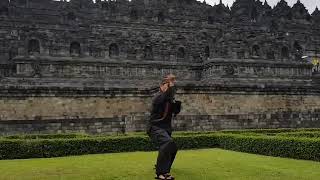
x,y
160,129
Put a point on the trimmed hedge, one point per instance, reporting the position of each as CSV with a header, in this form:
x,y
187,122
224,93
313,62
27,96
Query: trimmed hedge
x,y
270,131
46,136
291,147
37,148
302,134
249,132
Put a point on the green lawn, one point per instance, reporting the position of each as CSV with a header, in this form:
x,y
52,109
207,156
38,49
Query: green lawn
x,y
210,164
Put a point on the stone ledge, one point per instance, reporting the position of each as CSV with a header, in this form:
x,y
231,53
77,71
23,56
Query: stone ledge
x,y
124,124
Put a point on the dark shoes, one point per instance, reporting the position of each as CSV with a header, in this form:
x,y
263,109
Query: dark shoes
x,y
165,177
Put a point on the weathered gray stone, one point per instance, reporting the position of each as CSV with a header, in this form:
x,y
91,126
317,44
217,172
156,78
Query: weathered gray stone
x,y
70,66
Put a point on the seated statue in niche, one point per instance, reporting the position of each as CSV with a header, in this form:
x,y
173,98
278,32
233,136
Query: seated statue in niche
x,y
148,54
255,51
36,69
113,50
75,49
34,47
181,53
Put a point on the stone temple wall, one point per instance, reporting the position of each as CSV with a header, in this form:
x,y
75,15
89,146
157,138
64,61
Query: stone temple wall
x,y
81,66
202,111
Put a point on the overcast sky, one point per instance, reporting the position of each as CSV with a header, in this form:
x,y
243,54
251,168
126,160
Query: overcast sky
x,y
310,4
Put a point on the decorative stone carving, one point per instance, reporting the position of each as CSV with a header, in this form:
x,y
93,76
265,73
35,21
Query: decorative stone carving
x,y
229,70
300,12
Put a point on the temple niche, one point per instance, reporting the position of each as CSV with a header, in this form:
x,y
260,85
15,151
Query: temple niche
x,y
33,47
75,49
113,50
161,17
285,53
207,52
148,52
255,51
181,55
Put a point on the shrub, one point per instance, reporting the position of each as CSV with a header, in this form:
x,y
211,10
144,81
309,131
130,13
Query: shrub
x,y
36,148
291,147
46,136
303,134
298,148
270,131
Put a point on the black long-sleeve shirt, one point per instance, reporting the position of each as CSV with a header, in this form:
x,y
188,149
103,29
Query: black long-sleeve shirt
x,y
161,112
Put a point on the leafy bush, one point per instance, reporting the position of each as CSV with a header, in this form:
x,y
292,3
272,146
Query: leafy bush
x,y
270,131
252,141
298,148
36,148
303,134
46,136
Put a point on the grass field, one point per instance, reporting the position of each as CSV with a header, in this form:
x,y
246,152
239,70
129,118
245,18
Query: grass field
x,y
208,164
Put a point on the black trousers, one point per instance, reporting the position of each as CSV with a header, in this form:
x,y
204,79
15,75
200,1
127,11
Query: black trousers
x,y
167,149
